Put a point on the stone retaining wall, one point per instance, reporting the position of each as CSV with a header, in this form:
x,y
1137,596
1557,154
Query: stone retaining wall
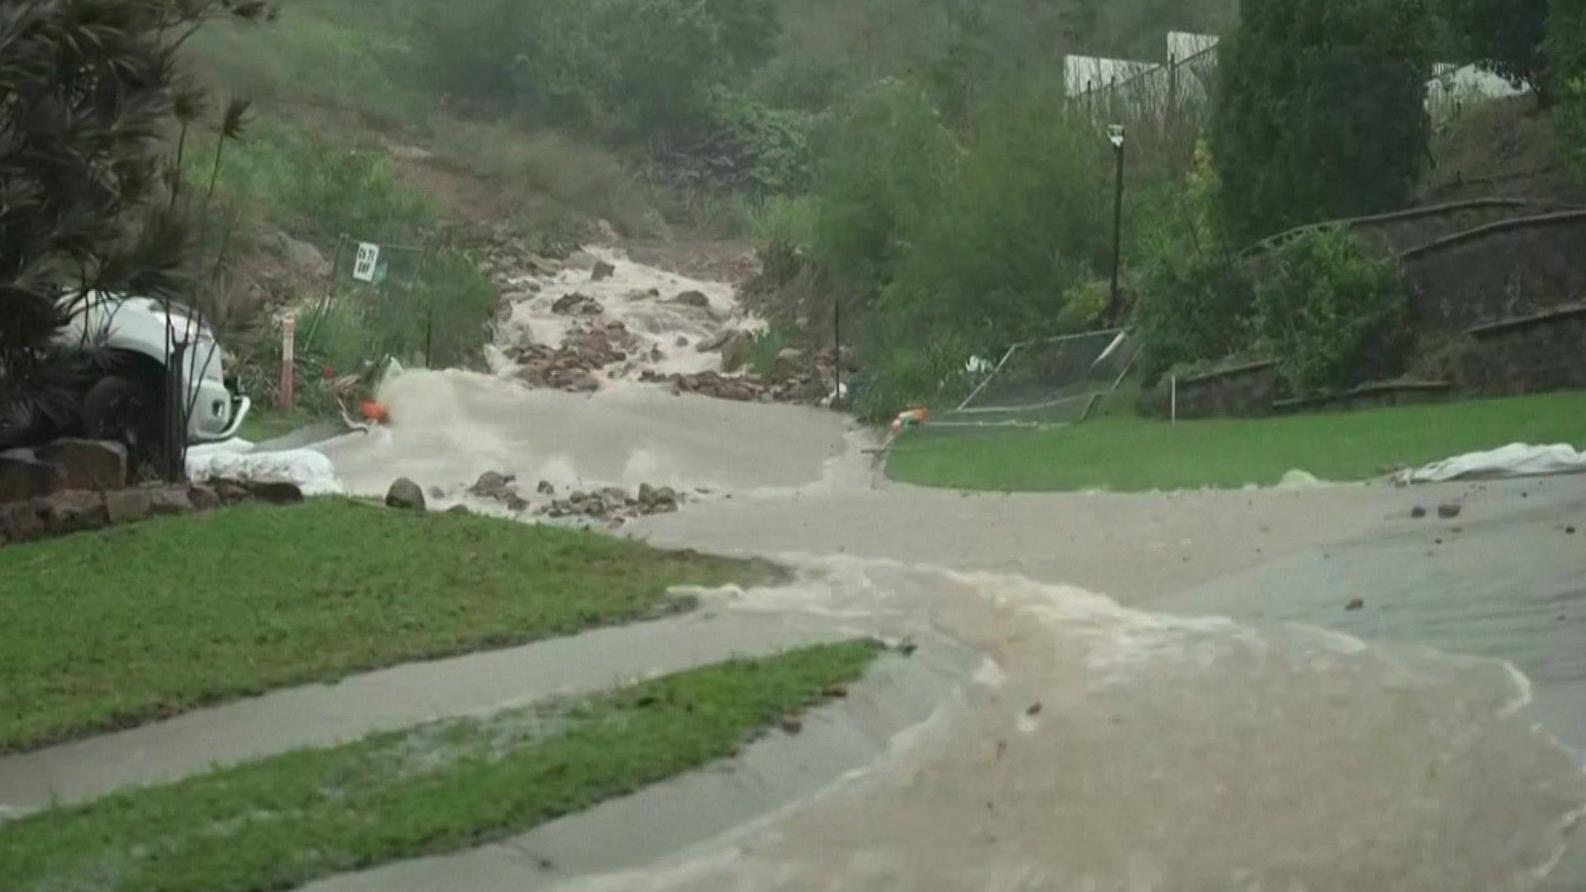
x,y
1528,354
1244,391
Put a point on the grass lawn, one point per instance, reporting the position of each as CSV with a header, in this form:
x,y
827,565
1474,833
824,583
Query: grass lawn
x,y
1134,455
284,821
106,630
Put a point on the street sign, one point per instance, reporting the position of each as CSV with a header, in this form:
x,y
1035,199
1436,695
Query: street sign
x,y
363,268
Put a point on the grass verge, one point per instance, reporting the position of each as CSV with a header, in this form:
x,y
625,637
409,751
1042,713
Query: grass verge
x,y
263,424
284,821
107,630
1135,455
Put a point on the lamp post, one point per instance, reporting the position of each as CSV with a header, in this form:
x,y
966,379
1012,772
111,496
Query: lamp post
x,y
1115,135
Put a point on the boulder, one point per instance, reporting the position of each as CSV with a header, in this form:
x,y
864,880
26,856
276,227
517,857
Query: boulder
x,y
20,522
203,498
89,464
692,299
405,494
128,506
302,257
276,492
492,485
736,351
602,271
788,364
575,304
72,511
1450,510
657,499
24,477
435,492
516,503
166,501
546,488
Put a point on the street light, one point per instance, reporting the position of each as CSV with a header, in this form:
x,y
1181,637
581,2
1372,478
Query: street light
x,y
1115,135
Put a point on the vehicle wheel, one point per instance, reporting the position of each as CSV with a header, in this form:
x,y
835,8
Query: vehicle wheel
x,y
129,412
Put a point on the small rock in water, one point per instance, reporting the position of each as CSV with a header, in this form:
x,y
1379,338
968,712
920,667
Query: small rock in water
x,y
437,493
516,503
681,341
1418,512
602,271
692,299
545,488
1569,531
406,494
1449,510
1035,709
1357,604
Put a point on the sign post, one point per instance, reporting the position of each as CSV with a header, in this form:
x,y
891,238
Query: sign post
x,y
288,359
368,261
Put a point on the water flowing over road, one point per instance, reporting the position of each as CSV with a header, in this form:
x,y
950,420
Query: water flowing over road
x,y
1169,693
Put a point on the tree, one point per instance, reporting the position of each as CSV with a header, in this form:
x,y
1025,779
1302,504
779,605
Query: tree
x,y
1506,36
1321,110
87,94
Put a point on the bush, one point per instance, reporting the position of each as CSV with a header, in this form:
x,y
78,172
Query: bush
x,y
1332,315
1320,110
1194,297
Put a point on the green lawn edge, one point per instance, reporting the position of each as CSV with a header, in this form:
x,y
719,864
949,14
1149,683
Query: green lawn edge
x,y
281,822
107,630
1129,454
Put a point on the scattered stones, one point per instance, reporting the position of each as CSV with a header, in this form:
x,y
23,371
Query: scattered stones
x,y
602,271
657,499
129,506
276,492
89,464
1418,512
692,299
406,495
24,477
1449,510
576,304
1355,605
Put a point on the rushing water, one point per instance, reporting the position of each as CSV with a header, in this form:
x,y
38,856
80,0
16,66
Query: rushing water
x,y
1099,747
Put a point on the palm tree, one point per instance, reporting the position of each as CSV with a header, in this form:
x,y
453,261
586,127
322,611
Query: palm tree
x,y
88,95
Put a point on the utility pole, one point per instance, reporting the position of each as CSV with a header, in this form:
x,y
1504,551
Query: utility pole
x,y
1115,135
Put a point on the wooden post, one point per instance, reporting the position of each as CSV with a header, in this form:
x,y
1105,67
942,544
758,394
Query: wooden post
x,y
288,360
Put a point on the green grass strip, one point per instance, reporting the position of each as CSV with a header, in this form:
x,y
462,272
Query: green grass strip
x,y
285,821
1127,454
106,630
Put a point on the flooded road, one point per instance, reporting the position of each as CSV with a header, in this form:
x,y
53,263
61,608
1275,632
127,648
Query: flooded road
x,y
1216,720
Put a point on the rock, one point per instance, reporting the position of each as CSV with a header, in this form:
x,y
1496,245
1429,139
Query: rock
x,y
230,491
606,230
458,509
1035,709
1356,604
602,271
657,499
516,503
736,351
837,691
72,511
492,485
302,257
715,341
692,299
1449,510
276,492
546,488
165,501
791,723
1418,512
406,495
581,382
681,341
435,492
575,304
20,522
89,464
128,506
789,363
643,294
203,498
1569,531
24,477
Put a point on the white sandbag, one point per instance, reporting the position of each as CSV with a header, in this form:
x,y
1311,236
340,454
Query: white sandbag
x,y
311,471
1515,460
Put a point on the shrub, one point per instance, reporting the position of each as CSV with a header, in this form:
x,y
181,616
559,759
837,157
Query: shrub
x,y
1505,35
1332,315
1320,110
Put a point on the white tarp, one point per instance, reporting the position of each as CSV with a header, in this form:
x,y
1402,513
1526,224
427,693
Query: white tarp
x,y
1516,460
311,471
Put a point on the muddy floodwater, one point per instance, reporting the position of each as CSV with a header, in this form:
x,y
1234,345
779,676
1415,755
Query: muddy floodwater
x,y
1167,691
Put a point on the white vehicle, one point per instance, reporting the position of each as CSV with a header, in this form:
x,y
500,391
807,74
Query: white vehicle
x,y
128,402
